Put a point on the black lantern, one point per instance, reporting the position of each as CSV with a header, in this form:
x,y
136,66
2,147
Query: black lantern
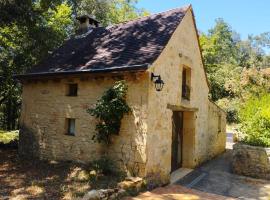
x,y
158,82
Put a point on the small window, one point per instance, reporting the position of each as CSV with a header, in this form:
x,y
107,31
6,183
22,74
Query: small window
x,y
71,127
186,83
219,123
72,90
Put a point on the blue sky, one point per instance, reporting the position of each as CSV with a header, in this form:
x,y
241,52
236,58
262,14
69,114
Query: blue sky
x,y
245,16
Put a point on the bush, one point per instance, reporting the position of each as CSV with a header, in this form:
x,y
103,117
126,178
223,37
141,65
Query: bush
x,y
109,110
255,121
9,139
232,115
231,107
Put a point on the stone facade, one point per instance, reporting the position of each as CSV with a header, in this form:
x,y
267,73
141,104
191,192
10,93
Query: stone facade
x,y
251,161
143,146
46,107
200,127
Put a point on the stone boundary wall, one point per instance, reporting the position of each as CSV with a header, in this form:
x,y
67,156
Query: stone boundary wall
x,y
251,161
214,141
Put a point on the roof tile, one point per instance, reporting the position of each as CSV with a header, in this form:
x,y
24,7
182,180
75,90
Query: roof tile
x,y
123,46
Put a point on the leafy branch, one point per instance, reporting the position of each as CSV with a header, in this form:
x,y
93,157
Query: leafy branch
x,y
109,110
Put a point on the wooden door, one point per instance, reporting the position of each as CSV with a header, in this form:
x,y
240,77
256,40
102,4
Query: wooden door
x,y
177,140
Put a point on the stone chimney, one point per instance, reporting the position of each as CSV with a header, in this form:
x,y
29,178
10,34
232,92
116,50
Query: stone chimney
x,y
86,23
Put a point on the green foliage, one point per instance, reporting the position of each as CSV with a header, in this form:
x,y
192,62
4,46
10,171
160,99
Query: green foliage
x,y
233,66
8,137
111,12
231,107
219,53
255,121
23,44
24,11
109,110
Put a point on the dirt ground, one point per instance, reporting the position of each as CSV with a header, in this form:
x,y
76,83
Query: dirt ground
x,y
29,179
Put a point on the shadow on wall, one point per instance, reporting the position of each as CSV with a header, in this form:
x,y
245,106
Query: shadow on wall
x,y
28,143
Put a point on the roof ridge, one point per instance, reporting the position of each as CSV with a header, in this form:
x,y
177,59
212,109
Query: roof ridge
x,y
184,8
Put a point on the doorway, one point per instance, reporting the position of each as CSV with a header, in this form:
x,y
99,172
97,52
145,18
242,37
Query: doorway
x,y
177,140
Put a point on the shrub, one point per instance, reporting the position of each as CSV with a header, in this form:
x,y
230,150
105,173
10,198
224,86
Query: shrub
x,y
9,139
109,110
255,121
231,107
232,115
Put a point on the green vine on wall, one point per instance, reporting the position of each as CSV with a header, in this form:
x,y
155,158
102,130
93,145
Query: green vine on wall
x,y
109,110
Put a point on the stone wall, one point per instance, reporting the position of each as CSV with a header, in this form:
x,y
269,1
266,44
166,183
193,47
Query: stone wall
x,y
216,136
45,108
181,51
251,161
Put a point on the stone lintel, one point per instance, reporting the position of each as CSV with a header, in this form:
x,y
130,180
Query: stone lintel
x,y
181,108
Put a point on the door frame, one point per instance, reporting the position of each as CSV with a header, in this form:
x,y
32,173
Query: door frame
x,y
177,140
189,159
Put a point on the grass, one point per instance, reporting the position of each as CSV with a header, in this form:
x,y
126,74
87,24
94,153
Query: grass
x,y
8,136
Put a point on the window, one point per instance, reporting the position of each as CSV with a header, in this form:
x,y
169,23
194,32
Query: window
x,y
72,90
219,123
186,83
70,127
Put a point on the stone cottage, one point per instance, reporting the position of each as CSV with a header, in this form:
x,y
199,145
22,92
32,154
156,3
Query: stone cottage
x,y
172,124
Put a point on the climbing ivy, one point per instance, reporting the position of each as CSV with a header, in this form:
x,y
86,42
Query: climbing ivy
x,y
109,111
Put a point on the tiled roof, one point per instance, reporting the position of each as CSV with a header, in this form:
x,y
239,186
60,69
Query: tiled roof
x,y
131,45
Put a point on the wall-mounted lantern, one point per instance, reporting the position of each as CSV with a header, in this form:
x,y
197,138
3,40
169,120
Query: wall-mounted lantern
x,y
158,82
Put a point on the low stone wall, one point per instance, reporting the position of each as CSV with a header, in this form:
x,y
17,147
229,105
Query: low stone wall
x,y
251,161
215,139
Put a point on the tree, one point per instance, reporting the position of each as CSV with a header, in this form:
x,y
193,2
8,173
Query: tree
x,y
26,12
23,44
233,66
110,11
219,52
262,40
